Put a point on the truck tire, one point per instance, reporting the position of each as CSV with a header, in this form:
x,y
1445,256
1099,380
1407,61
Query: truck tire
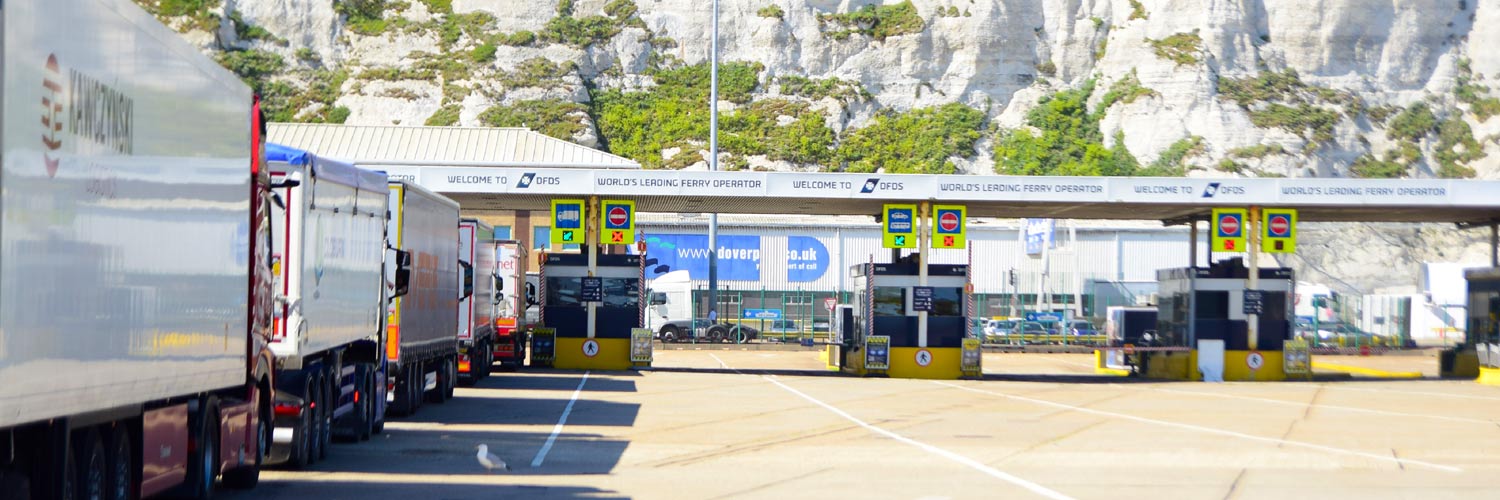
x,y
670,335
121,465
92,467
315,417
452,378
366,423
325,407
247,477
203,464
439,394
718,334
302,439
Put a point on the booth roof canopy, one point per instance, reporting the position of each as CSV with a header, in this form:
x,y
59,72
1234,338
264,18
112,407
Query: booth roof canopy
x,y
372,146
1141,198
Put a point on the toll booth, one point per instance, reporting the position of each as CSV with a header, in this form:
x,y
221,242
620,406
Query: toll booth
x,y
1206,310
592,316
1479,354
888,335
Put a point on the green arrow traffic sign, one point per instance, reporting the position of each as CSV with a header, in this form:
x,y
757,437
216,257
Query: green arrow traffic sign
x,y
900,241
567,236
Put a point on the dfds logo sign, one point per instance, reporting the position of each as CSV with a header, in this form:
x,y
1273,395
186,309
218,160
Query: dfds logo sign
x,y
529,178
872,184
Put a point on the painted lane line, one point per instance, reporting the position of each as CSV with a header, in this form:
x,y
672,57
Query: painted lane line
x,y
971,463
1419,393
722,363
541,455
1333,407
1210,430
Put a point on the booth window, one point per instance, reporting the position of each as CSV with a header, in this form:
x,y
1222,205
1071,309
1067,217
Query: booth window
x,y
564,291
947,301
622,292
502,232
890,301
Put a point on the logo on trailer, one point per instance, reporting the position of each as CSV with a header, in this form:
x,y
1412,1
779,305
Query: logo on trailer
x,y
1211,190
1280,226
525,181
52,114
948,221
1229,225
870,185
618,217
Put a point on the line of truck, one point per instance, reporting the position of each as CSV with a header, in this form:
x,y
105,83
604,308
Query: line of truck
x,y
181,303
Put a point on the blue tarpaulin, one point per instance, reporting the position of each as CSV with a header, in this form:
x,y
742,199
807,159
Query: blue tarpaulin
x,y
285,154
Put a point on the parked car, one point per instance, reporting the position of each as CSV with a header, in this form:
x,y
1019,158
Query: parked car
x,y
1031,328
1081,327
782,326
997,330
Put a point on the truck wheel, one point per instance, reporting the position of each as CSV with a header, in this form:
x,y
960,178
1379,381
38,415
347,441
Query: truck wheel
x,y
718,334
418,386
92,474
325,408
302,438
315,417
247,477
452,378
366,423
670,335
204,465
439,394
121,469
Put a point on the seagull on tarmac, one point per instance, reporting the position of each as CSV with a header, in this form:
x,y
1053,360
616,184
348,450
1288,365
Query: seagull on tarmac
x,y
489,460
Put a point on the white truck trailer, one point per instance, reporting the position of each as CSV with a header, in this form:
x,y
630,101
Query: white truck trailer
x,y
476,312
516,296
421,344
329,268
135,298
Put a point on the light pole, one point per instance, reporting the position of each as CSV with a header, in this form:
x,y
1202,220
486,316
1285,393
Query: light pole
x,y
713,162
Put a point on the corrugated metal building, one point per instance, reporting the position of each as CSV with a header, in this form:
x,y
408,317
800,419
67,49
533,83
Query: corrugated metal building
x,y
782,256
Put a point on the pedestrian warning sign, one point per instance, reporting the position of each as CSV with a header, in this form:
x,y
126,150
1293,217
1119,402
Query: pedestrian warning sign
x,y
1227,233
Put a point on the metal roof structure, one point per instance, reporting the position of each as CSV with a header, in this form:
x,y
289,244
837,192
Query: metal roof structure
x,y
371,146
481,189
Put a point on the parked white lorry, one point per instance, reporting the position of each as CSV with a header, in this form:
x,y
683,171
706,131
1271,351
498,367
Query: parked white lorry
x,y
330,234
476,312
421,343
135,298
670,315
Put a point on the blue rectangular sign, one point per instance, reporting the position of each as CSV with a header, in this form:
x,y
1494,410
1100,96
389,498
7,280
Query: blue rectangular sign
x,y
568,216
1044,316
1038,235
739,256
762,313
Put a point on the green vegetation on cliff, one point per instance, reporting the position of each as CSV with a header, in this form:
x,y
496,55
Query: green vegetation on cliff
x,y
1066,141
917,141
879,22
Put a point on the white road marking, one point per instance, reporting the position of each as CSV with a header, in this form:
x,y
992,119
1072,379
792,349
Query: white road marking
x,y
1210,430
721,362
971,463
1420,393
1332,407
541,455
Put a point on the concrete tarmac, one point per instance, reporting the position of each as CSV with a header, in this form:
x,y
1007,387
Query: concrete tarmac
x,y
753,424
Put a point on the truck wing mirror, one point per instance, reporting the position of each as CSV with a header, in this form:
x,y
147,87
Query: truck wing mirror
x,y
403,273
496,296
531,299
468,280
